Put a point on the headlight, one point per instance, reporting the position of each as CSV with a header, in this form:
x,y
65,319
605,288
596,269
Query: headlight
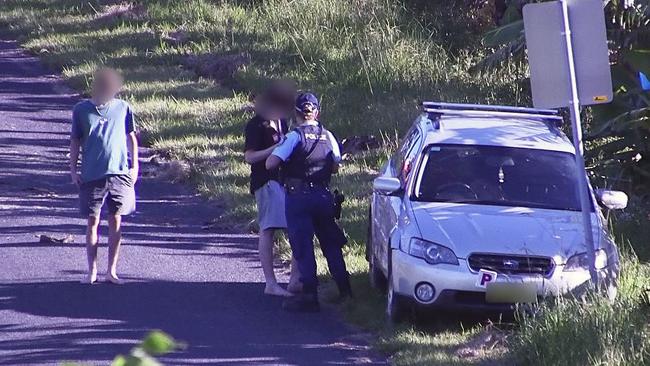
x,y
431,252
580,261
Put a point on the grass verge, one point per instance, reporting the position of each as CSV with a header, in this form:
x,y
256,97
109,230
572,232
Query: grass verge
x,y
370,60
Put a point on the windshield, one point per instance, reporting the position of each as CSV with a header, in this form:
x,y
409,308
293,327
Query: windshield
x,y
503,176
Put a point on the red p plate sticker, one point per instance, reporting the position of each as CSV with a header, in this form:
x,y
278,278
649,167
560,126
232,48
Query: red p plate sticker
x,y
485,277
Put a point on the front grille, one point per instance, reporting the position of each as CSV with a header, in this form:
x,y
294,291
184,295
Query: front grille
x,y
511,264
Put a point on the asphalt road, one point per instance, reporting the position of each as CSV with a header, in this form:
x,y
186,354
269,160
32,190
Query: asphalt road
x,y
200,286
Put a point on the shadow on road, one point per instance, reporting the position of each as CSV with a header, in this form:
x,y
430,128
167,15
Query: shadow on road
x,y
202,287
218,327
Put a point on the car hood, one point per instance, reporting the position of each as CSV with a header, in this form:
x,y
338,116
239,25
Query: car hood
x,y
508,230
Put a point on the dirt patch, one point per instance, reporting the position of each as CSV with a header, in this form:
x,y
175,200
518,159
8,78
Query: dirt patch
x,y
177,37
222,68
356,144
491,341
158,165
175,171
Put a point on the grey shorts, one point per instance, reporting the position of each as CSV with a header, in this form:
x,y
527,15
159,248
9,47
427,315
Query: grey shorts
x,y
116,191
270,206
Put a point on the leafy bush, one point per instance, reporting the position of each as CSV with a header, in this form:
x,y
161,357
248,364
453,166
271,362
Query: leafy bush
x,y
155,343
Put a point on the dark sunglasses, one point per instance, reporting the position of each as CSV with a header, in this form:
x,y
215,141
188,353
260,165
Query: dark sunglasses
x,y
307,108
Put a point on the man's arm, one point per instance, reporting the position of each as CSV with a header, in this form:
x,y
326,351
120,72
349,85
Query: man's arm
x,y
75,144
272,162
252,140
132,144
252,156
76,134
282,152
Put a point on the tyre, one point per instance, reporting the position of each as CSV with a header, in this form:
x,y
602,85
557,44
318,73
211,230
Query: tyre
x,y
377,278
397,309
369,236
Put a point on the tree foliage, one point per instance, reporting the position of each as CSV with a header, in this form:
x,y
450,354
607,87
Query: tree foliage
x,y
156,343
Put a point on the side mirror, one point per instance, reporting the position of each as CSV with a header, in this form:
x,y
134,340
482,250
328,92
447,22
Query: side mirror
x,y
613,200
387,186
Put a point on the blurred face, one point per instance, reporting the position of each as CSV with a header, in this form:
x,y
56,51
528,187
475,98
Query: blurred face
x,y
282,94
270,111
106,84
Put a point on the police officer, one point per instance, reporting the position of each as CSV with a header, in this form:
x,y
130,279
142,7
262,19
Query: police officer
x,y
309,156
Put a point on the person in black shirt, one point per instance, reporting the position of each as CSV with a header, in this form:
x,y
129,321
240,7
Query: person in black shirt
x,y
263,133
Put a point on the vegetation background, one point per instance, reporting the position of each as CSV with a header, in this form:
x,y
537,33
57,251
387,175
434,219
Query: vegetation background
x,y
191,67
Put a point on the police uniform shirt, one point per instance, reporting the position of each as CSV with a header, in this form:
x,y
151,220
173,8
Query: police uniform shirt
x,y
284,150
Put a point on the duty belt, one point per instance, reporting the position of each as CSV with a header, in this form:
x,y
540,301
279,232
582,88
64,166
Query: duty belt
x,y
296,185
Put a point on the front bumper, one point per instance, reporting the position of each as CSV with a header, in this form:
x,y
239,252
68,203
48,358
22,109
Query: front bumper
x,y
456,285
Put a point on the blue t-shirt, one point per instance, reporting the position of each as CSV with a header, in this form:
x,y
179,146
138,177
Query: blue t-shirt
x,y
103,134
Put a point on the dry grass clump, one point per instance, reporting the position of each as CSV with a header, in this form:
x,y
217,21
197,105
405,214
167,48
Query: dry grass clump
x,y
219,67
121,11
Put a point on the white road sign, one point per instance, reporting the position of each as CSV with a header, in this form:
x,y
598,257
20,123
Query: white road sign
x,y
547,56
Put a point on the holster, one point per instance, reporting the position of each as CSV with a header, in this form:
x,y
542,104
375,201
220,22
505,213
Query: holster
x,y
339,198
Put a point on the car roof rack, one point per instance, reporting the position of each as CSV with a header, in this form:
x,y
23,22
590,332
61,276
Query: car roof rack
x,y
457,109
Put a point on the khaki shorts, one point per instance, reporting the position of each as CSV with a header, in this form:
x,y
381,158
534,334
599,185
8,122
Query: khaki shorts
x,y
270,206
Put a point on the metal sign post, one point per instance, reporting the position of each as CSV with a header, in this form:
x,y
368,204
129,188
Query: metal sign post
x,y
569,66
576,128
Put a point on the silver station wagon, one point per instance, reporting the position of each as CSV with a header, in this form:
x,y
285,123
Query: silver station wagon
x,y
479,209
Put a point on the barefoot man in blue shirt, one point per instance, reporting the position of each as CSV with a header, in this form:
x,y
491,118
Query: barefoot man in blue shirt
x,y
103,131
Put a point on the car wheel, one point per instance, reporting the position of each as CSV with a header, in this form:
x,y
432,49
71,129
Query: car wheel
x,y
377,278
396,308
369,236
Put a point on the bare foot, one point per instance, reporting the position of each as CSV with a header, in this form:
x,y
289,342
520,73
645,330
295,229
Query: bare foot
x,y
113,279
90,279
276,290
295,287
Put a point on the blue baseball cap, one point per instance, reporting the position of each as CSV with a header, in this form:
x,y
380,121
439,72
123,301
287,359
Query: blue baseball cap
x,y
306,103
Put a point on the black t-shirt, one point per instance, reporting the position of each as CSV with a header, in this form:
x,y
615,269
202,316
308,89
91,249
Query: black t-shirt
x,y
260,135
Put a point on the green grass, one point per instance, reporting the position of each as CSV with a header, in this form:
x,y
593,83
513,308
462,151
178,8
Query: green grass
x,y
370,60
569,332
